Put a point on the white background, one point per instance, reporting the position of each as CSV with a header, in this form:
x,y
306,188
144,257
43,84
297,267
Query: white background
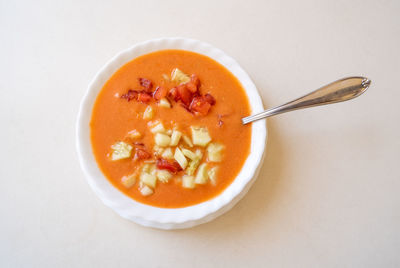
x,y
329,191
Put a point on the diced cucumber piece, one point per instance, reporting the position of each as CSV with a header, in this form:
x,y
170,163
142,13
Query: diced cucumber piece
x,y
120,150
134,134
153,170
212,174
163,175
128,181
175,137
148,179
149,168
199,153
188,182
191,169
162,139
189,154
214,152
200,136
187,140
179,77
164,103
158,150
167,154
180,158
156,127
145,190
148,113
202,174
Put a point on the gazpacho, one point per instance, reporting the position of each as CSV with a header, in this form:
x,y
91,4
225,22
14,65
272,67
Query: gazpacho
x,y
166,128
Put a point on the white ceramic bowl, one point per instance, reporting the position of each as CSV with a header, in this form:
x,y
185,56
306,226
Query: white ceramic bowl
x,y
161,217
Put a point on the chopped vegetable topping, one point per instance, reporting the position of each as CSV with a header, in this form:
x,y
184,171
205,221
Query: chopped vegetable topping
x,y
146,83
160,93
164,103
200,136
199,153
189,154
179,77
214,152
120,150
186,92
175,137
145,190
173,94
162,139
142,154
210,99
163,175
134,134
156,127
187,140
144,97
212,174
158,150
202,174
130,95
171,166
128,181
149,168
180,158
193,84
200,105
167,154
195,80
148,113
188,182
148,179
191,169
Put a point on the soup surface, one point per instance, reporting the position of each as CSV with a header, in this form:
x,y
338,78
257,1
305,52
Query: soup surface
x,y
166,128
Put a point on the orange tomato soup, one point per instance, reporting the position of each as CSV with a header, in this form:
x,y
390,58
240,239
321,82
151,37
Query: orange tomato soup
x,y
221,103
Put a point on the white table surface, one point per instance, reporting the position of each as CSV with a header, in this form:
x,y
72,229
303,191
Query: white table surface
x,y
329,191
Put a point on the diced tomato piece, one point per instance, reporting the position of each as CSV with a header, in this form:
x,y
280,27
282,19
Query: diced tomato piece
x,y
200,105
130,95
141,153
193,84
195,80
184,94
191,87
144,97
210,99
165,164
146,83
186,107
160,93
139,144
173,94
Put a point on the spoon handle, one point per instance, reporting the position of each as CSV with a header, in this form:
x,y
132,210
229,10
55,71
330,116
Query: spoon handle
x,y
338,91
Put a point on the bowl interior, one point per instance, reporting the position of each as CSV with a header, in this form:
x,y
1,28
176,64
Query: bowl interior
x,y
162,217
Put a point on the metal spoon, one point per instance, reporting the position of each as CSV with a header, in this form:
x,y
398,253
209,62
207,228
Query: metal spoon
x,y
338,91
